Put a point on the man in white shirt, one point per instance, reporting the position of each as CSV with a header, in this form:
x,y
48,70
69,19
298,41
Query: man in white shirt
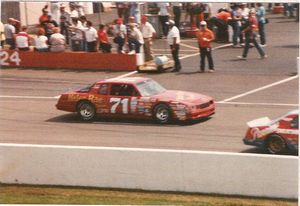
x,y
148,33
163,16
9,32
173,39
91,36
135,40
2,36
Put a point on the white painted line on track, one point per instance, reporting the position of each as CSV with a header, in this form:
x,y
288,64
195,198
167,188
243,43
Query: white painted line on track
x,y
261,104
218,47
137,149
260,89
28,97
189,46
125,75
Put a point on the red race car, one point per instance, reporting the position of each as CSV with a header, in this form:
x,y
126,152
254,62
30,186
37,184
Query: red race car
x,y
135,97
277,136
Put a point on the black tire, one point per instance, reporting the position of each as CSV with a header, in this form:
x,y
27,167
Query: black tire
x,y
160,69
162,114
86,110
276,145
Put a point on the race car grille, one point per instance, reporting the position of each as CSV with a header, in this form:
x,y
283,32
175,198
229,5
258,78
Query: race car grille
x,y
202,106
207,104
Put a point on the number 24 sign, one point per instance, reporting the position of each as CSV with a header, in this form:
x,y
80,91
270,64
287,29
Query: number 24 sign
x,y
7,59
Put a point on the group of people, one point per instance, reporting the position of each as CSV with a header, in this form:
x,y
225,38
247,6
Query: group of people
x,y
134,35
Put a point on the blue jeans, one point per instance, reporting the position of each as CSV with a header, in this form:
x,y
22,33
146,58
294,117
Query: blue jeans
x,y
251,37
261,27
236,33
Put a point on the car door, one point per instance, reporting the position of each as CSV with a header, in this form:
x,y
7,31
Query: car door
x,y
122,99
100,98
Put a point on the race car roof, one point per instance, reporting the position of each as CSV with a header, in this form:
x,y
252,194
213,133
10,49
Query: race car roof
x,y
133,80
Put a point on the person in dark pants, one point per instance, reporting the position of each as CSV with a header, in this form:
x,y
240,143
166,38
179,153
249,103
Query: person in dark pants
x,y
204,37
261,13
251,34
177,13
174,41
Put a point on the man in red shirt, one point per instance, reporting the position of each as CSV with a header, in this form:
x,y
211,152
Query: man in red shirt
x,y
251,35
104,44
204,37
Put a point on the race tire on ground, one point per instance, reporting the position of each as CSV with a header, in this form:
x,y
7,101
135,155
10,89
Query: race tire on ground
x,y
86,110
162,114
276,145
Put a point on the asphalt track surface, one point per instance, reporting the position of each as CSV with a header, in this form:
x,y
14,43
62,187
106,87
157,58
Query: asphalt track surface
x,y
28,98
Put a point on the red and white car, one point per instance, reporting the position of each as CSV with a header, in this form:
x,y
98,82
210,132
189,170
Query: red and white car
x,y
277,136
135,97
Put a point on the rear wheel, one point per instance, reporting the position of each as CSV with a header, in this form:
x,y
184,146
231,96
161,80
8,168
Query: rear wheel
x,y
276,145
162,114
86,110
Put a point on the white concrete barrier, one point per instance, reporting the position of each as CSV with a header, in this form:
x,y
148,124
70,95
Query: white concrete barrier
x,y
151,169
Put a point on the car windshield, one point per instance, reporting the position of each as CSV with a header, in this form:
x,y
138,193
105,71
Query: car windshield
x,y
149,88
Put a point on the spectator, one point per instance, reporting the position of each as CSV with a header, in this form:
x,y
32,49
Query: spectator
x,y
236,24
197,14
104,44
220,20
22,40
44,17
148,33
64,13
174,41
177,13
163,16
74,13
83,21
57,41
135,40
119,34
52,21
261,17
41,41
244,21
9,32
64,27
49,30
2,36
204,37
251,34
206,11
77,38
135,12
91,36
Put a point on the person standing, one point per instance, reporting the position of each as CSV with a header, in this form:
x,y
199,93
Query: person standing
x,y
163,16
148,33
251,35
261,17
177,13
204,37
120,33
135,39
236,24
104,44
9,32
173,39
91,36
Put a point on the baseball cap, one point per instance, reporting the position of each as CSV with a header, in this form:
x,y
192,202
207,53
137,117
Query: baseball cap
x,y
170,22
203,23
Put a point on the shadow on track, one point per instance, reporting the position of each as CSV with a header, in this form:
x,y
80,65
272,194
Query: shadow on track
x,y
73,118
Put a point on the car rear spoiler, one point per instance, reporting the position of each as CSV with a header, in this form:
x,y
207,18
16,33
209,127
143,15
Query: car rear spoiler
x,y
264,121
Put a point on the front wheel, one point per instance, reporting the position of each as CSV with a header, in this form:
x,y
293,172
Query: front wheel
x,y
162,114
86,111
276,145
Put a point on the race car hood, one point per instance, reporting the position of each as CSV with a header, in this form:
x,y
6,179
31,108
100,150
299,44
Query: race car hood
x,y
264,121
183,97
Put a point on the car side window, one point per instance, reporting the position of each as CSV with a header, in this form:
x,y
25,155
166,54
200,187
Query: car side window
x,y
103,89
294,122
123,90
